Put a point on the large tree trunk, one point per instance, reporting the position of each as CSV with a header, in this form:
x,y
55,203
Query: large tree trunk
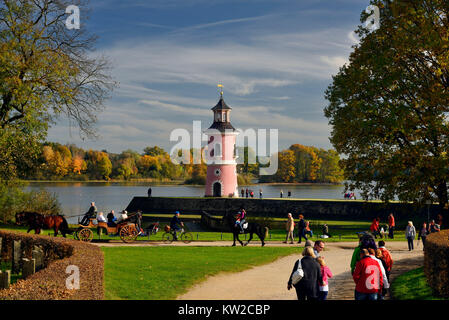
x,y
443,201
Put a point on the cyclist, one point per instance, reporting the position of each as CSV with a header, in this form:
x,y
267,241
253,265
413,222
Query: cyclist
x,y
176,224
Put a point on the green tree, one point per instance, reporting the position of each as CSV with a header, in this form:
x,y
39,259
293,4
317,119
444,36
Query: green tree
x,y
388,107
47,70
154,151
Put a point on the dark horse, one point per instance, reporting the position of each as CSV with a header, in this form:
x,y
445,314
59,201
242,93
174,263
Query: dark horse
x,y
38,222
229,220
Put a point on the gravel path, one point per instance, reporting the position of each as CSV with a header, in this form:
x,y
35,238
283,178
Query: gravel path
x,y
269,282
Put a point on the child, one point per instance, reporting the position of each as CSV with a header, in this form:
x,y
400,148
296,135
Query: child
x,y
326,273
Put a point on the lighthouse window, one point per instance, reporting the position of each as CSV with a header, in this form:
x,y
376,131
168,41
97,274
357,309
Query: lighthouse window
x,y
217,150
224,117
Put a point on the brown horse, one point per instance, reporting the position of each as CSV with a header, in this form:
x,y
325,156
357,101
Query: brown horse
x,y
38,222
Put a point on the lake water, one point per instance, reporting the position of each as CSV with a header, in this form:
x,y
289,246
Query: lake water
x,y
75,198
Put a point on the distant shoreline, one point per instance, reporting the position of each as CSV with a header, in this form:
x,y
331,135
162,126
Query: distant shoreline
x,y
181,183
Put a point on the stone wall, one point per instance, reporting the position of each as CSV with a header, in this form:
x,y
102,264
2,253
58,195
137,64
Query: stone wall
x,y
278,208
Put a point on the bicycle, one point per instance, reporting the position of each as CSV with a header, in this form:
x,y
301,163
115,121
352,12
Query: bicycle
x,y
186,237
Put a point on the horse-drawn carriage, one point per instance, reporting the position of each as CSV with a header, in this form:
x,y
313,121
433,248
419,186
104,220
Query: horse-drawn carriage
x,y
127,230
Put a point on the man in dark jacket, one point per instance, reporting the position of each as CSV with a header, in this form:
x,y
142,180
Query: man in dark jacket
x,y
176,224
308,287
91,213
301,228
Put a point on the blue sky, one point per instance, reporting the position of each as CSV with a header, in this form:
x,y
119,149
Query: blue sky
x,y
275,59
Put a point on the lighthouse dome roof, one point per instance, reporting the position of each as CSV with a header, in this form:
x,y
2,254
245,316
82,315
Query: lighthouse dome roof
x,y
221,105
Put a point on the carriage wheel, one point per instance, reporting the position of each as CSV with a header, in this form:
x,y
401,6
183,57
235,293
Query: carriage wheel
x,y
167,237
128,233
75,235
186,237
85,235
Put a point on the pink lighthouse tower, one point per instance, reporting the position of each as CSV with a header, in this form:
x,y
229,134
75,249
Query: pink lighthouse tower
x,y
221,178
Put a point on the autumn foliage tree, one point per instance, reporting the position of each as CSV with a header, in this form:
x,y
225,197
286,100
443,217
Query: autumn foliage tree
x,y
388,106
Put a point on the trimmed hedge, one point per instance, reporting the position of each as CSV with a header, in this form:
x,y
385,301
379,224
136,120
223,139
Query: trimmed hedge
x,y
436,263
50,282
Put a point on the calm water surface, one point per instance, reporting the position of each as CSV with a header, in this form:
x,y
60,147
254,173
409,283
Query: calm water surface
x,y
75,198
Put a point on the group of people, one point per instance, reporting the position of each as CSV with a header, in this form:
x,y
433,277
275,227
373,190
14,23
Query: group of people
x,y
349,196
426,229
378,230
303,228
289,194
370,268
314,283
110,219
250,193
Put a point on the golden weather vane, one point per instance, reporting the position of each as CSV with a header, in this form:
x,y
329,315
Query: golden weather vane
x,y
220,86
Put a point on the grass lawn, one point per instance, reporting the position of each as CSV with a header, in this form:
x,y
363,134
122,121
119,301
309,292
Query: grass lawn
x,y
155,273
340,231
412,285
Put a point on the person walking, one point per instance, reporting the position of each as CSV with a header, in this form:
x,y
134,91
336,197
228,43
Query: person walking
x,y
433,227
301,228
247,193
149,192
422,235
386,257
243,193
308,287
260,193
391,225
366,241
318,247
379,257
289,193
307,230
410,233
290,227
367,277
326,274
282,193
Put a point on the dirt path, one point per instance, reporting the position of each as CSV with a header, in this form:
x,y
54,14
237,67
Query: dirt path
x,y
269,282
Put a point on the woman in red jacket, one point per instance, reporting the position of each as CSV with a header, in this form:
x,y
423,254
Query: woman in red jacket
x,y
374,228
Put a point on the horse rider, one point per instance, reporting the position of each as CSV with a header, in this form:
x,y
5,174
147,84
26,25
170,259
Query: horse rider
x,y
91,213
240,219
176,224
